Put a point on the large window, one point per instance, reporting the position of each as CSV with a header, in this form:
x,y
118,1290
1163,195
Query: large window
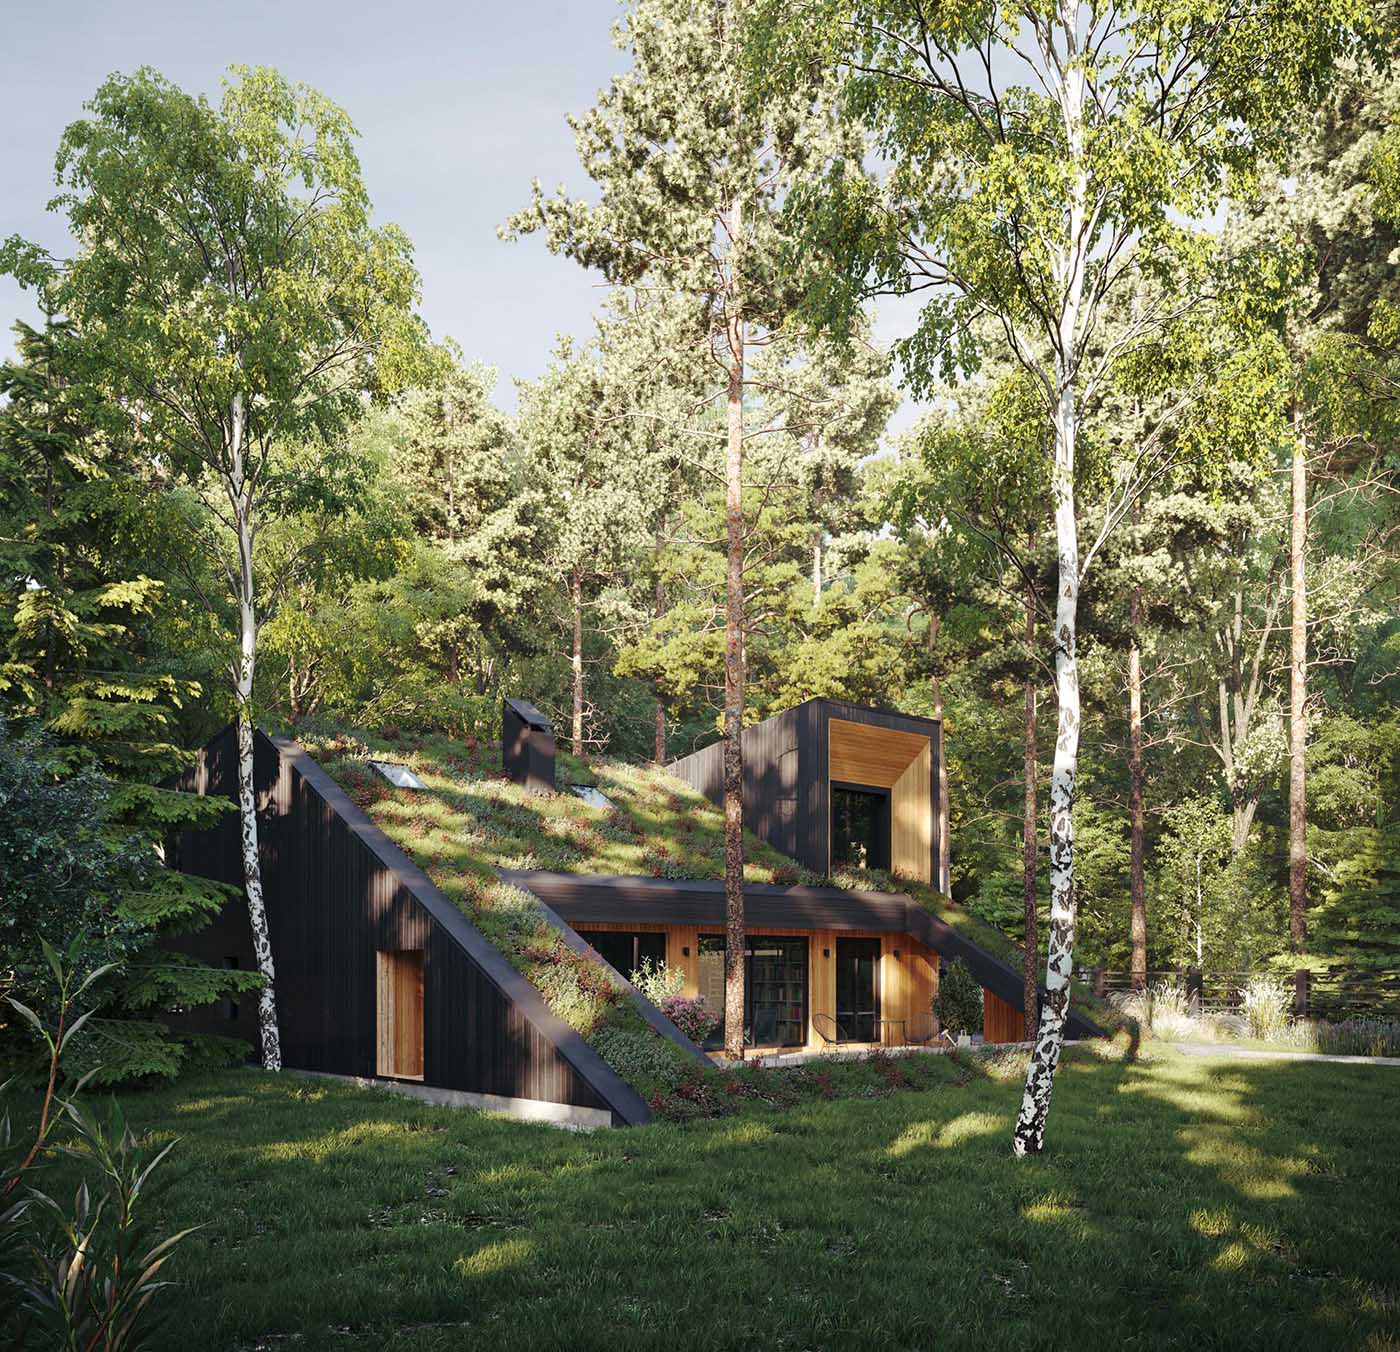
x,y
860,826
775,988
625,951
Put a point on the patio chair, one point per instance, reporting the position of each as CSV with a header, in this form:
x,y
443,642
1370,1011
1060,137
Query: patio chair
x,y
920,1029
829,1030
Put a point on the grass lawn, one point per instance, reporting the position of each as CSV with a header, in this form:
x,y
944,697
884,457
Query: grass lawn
x,y
1183,1202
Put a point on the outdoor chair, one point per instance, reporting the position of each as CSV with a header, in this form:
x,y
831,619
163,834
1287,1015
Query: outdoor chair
x,y
829,1030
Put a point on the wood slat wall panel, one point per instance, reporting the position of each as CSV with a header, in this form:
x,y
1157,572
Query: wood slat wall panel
x,y
1000,1021
911,819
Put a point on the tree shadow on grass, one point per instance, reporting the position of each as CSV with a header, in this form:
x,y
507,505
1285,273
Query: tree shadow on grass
x,y
1179,1203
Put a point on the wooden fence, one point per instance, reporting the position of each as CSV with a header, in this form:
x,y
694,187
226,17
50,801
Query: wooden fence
x,y
1334,993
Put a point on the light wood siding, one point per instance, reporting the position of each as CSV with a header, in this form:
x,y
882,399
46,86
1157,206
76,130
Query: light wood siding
x,y
908,982
859,754
1001,1022
911,819
399,1037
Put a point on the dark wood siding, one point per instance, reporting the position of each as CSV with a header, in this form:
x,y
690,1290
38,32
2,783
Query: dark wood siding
x,y
337,891
787,798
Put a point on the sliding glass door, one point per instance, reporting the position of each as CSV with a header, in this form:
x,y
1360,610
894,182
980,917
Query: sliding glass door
x,y
775,988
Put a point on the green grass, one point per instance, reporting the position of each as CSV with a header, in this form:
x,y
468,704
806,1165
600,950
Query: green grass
x,y
1183,1202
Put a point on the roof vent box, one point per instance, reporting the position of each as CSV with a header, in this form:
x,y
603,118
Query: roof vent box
x,y
527,746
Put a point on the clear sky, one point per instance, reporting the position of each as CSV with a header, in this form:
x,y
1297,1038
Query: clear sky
x,y
458,105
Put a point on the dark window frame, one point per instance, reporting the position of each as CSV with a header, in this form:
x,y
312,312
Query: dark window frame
x,y
716,942
884,821
611,937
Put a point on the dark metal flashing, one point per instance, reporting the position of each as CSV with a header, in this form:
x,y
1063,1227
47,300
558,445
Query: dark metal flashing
x,y
624,1102
580,899
531,716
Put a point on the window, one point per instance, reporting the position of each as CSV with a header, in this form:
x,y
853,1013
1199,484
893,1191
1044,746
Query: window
x,y
860,826
399,1052
775,988
626,952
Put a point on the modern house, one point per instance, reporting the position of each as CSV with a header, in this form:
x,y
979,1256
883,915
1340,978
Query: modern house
x,y
382,977
825,967
379,976
830,783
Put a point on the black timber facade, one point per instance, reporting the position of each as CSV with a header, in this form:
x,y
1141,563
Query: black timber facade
x,y
787,787
527,746
338,892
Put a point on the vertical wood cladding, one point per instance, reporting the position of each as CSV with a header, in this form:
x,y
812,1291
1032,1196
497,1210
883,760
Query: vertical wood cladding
x,y
338,894
787,780
1001,1022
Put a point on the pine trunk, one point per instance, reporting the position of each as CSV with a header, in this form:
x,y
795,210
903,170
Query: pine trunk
x,y
1040,1074
1030,949
576,600
734,937
660,610
945,844
247,796
1137,878
1298,701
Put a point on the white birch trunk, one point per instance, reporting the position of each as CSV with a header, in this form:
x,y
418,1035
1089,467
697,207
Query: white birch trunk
x,y
1029,1135
1040,1074
247,798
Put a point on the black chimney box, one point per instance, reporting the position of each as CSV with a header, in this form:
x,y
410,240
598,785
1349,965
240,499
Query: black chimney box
x,y
527,746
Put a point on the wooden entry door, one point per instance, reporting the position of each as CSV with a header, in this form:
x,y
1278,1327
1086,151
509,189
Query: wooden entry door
x,y
399,1049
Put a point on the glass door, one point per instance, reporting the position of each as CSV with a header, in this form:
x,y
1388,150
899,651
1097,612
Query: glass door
x,y
775,989
858,990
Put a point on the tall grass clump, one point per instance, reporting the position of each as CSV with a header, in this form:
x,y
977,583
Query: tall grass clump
x,y
1355,1037
1267,1006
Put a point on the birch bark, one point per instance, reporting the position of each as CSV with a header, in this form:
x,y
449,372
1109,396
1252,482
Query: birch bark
x,y
1137,880
239,499
576,660
1029,1136
1030,948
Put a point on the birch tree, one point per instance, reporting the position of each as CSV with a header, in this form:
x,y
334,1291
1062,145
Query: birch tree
x,y
692,162
1038,159
236,305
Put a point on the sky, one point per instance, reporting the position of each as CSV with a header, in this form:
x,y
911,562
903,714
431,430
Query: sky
x,y
459,105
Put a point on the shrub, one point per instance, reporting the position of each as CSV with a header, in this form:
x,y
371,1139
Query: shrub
x,y
691,1015
786,875
958,1003
640,1056
1356,1037
1267,1006
88,1278
657,981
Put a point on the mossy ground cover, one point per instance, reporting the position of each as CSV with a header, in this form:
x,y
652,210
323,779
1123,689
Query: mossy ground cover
x,y
1182,1202
468,821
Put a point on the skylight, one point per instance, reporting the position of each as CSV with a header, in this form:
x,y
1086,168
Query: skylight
x,y
591,796
400,776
